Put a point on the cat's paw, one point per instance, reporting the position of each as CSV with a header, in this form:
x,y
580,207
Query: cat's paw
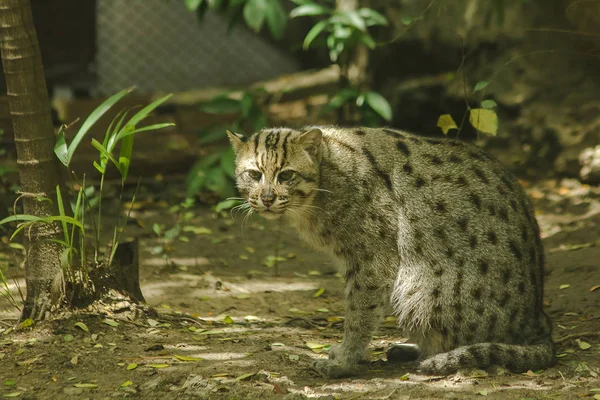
x,y
339,353
332,369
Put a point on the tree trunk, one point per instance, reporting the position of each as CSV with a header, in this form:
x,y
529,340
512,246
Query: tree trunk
x,y
34,140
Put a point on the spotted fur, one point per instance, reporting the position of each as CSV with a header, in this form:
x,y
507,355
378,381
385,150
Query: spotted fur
x,y
437,228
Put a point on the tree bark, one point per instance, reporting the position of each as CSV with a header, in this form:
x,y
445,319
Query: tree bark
x,y
34,140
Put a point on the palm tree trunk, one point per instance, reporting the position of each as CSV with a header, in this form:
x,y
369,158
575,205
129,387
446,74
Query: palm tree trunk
x,y
34,139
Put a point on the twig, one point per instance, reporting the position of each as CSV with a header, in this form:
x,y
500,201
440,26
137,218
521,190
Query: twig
x,y
575,336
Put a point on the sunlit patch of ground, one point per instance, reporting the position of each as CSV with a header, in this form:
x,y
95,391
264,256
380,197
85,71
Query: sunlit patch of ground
x,y
232,325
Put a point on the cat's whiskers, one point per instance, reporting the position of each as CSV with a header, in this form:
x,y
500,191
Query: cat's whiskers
x,y
241,207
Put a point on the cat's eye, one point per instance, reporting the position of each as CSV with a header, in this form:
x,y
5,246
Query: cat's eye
x,y
254,174
285,175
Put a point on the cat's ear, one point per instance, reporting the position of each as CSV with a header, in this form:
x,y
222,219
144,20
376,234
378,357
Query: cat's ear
x,y
237,140
311,140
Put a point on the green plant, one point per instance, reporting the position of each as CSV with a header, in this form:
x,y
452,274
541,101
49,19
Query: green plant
x,y
215,172
482,118
255,13
371,106
344,29
87,210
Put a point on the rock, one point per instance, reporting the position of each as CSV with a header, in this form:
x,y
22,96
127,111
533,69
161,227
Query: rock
x,y
589,159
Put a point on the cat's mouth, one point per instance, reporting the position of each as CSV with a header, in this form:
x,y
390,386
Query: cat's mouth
x,y
270,213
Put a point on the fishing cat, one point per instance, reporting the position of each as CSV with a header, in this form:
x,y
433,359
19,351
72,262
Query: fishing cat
x,y
436,227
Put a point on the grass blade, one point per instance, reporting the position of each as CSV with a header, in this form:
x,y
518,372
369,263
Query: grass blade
x,y
125,156
92,119
124,134
141,115
61,212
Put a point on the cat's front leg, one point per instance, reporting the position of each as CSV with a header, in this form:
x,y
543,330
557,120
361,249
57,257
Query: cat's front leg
x,y
363,310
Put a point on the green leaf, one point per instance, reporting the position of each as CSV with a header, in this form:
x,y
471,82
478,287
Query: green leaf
x,y
254,13
81,326
245,376
342,97
61,212
12,394
378,103
319,292
92,119
158,366
228,320
192,5
221,105
86,385
276,19
125,156
445,123
583,345
480,86
488,103
64,218
366,39
355,20
564,286
309,9
313,33
110,322
104,155
406,20
19,218
60,147
484,120
155,127
228,162
372,17
131,366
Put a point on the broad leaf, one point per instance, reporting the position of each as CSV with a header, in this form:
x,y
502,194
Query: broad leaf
x,y
372,17
309,9
254,13
313,33
355,20
276,18
488,103
192,5
378,103
480,86
484,120
60,147
446,122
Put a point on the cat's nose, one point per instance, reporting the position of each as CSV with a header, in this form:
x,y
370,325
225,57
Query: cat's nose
x,y
267,199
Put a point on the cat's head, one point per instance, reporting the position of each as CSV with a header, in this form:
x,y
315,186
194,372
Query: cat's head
x,y
277,170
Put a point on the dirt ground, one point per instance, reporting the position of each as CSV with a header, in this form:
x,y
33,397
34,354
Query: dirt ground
x,y
229,324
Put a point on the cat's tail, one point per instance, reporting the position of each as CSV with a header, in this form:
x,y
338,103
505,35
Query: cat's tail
x,y
515,358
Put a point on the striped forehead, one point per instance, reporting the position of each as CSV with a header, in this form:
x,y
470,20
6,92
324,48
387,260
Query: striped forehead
x,y
271,148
